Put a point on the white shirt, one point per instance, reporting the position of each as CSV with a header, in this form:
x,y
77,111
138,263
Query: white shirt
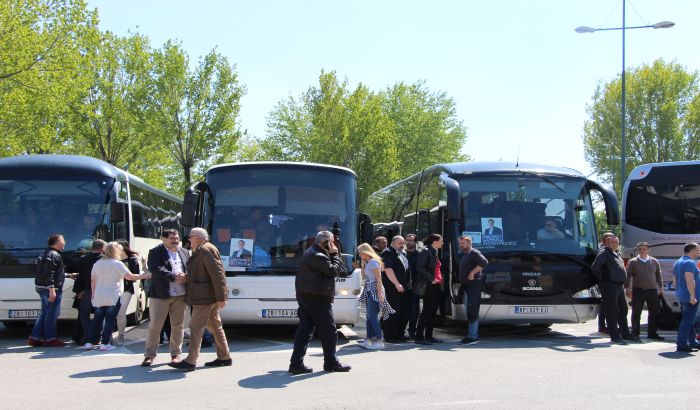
x,y
175,289
109,281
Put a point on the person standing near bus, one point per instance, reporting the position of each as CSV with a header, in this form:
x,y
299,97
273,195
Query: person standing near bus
x,y
82,287
471,266
609,268
315,291
167,263
396,279
412,250
687,276
429,267
48,282
644,285
373,295
131,262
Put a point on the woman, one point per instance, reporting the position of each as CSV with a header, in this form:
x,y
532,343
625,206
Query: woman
x,y
107,276
428,266
131,262
373,295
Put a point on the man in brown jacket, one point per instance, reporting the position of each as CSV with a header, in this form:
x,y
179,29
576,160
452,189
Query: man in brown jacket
x,y
206,293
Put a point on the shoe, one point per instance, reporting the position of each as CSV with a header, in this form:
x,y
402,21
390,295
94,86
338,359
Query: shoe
x,y
106,348
656,337
34,342
337,367
88,346
434,340
620,342
420,341
300,369
175,359
364,343
686,349
403,339
54,343
120,340
633,339
467,341
603,330
378,345
395,341
219,363
183,365
147,362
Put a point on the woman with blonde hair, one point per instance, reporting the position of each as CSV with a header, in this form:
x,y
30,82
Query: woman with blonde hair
x,y
107,286
373,296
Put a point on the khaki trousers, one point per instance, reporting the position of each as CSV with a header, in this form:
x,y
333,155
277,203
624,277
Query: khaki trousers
x,y
159,309
206,316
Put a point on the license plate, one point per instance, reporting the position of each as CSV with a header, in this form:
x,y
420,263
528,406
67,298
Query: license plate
x,y
24,314
279,313
525,310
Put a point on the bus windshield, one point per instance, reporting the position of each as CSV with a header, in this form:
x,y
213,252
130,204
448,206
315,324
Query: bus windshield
x,y
264,219
667,207
528,213
31,210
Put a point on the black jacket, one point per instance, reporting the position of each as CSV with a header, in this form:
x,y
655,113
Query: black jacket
x,y
50,272
132,263
391,260
427,259
608,266
316,276
85,272
161,271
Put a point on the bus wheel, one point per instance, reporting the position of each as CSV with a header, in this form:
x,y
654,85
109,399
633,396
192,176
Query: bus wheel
x,y
14,324
136,317
541,325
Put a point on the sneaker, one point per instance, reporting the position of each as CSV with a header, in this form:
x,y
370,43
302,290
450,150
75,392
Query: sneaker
x,y
467,341
378,345
106,348
88,346
364,343
685,349
54,343
34,342
120,340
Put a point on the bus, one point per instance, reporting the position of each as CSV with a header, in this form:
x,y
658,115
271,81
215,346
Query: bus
x,y
84,199
661,205
262,216
534,223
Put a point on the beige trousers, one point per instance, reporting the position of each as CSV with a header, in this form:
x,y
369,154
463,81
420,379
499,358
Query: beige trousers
x,y
206,316
159,310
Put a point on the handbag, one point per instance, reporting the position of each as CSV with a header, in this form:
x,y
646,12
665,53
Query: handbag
x,y
420,285
666,320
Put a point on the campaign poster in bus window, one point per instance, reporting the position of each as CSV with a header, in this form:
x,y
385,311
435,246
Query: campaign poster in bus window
x,y
241,255
475,235
492,231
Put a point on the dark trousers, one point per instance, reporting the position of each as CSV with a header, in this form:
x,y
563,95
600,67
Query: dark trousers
x,y
315,315
415,312
615,306
84,312
651,298
424,329
395,326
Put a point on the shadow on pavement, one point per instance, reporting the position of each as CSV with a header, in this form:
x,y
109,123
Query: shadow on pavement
x,y
132,374
276,379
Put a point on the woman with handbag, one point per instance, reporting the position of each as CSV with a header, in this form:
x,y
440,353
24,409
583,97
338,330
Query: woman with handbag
x,y
428,267
373,296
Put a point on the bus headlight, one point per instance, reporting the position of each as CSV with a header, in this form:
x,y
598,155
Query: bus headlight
x,y
343,292
591,293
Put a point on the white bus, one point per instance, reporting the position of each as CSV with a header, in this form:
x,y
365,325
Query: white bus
x,y
262,216
84,199
661,205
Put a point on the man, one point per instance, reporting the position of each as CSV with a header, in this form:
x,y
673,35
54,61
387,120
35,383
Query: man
x,y
644,285
470,276
687,276
550,231
492,229
315,289
206,293
167,263
396,279
48,282
412,256
241,252
609,268
82,288
257,226
601,313
380,244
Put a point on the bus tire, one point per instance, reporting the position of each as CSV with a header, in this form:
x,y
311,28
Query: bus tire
x,y
137,317
14,324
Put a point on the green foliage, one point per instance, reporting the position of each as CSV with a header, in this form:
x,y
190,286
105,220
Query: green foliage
x,y
663,120
601,223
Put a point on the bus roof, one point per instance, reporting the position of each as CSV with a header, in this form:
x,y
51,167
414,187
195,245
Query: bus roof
x,y
643,171
475,167
40,164
280,164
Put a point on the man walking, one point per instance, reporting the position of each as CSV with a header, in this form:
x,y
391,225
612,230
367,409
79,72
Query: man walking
x,y
609,268
48,282
206,293
167,263
687,276
470,275
315,289
396,279
644,285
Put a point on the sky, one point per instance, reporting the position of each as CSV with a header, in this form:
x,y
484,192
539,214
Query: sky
x,y
520,76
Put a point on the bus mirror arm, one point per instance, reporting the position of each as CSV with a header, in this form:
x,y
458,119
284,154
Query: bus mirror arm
x,y
612,210
453,197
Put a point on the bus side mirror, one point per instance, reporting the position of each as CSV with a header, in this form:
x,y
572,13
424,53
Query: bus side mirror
x,y
612,210
189,208
366,228
453,197
117,212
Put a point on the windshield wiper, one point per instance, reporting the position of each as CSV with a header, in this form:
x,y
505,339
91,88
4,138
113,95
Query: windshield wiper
x,y
545,179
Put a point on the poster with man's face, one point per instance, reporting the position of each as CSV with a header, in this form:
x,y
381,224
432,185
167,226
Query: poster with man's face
x,y
241,253
492,230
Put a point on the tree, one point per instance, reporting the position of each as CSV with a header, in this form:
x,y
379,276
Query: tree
x,y
663,121
196,112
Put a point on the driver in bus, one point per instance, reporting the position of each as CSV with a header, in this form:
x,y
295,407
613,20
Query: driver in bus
x,y
550,230
260,227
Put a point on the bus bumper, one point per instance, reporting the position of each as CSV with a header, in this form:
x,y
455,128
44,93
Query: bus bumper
x,y
346,311
577,313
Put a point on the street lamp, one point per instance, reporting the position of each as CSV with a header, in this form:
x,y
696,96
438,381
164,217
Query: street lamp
x,y
623,126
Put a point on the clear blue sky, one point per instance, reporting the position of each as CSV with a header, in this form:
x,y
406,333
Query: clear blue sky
x,y
518,72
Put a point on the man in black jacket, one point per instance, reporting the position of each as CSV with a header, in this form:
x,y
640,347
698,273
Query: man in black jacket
x,y
82,288
48,282
609,268
315,289
167,263
396,279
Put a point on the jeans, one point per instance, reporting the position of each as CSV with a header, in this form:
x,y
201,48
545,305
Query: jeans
x,y
374,330
686,329
45,325
108,315
471,296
